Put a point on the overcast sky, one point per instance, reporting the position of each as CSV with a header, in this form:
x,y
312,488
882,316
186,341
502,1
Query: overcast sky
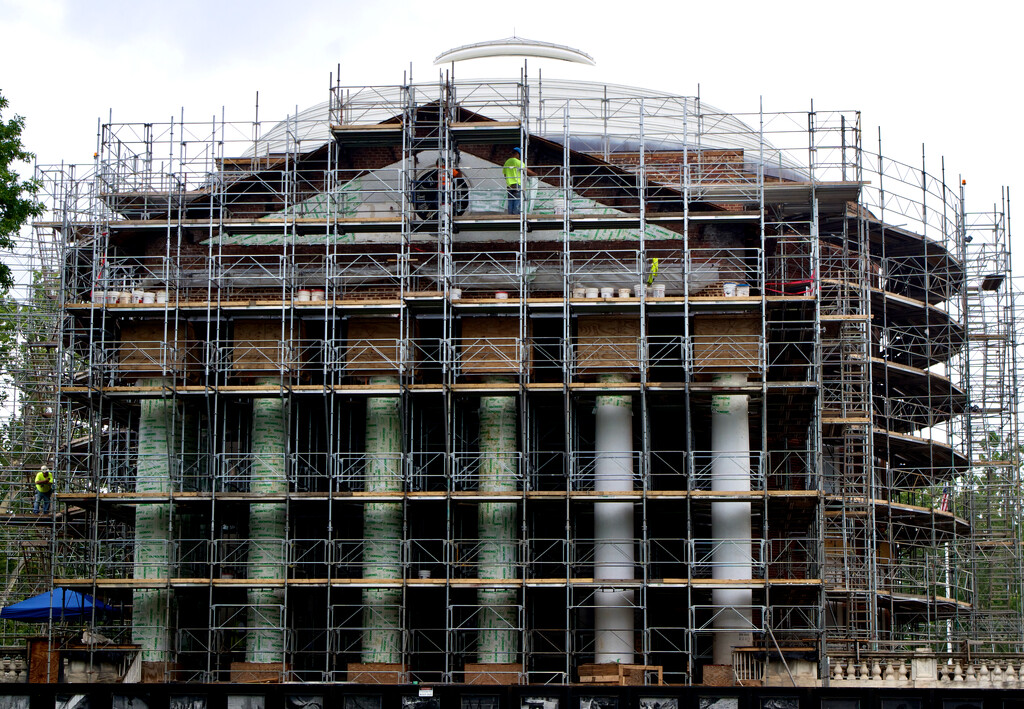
x,y
943,74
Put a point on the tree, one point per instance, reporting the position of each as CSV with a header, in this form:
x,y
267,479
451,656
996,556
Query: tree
x,y
17,196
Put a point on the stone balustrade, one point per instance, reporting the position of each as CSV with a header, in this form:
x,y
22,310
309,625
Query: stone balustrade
x,y
13,668
926,669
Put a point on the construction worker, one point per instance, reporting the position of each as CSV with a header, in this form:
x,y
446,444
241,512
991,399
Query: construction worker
x,y
513,172
44,488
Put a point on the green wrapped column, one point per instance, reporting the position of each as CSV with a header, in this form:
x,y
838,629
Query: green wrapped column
x,y
496,528
150,606
265,639
382,529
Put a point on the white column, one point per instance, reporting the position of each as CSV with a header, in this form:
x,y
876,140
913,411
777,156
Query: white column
x,y
730,521
613,527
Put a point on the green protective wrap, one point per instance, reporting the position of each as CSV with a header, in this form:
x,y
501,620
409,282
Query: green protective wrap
x,y
151,606
382,530
265,641
497,641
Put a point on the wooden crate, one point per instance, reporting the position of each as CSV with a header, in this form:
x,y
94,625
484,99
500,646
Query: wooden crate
x,y
615,674
726,344
259,672
607,344
373,346
493,673
147,349
377,673
158,672
488,346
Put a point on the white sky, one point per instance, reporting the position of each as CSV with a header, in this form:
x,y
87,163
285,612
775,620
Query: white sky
x,y
939,73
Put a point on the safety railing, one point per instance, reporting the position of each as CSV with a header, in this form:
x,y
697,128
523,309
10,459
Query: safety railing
x,y
737,471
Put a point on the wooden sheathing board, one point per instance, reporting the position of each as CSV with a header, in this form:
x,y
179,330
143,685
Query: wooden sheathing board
x,y
489,346
258,347
726,344
373,346
148,349
607,344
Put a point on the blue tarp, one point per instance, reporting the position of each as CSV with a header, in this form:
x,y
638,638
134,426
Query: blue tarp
x,y
61,603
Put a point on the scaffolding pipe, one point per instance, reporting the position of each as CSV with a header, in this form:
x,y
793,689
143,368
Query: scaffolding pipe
x,y
266,559
150,606
496,528
613,526
382,529
730,521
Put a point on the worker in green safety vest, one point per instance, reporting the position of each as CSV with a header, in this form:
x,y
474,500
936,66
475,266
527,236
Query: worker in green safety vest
x,y
513,172
44,488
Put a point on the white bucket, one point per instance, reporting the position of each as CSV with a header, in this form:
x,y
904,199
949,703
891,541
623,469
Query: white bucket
x,y
99,297
743,290
456,293
137,295
638,290
124,297
303,296
161,296
316,295
592,292
149,297
729,289
579,291
624,292
113,296
607,292
501,295
658,290
424,573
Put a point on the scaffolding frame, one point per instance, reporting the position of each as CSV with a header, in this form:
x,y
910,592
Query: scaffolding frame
x,y
314,263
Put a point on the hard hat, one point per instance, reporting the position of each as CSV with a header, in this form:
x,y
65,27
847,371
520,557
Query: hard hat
x,y
517,150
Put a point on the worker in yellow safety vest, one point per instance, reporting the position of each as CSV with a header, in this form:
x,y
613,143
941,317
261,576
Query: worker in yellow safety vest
x,y
44,488
513,172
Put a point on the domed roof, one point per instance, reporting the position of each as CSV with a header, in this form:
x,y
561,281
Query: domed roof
x,y
598,117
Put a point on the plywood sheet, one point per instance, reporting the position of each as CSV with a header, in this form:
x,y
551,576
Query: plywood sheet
x,y
726,344
258,347
607,344
148,349
373,346
42,659
489,346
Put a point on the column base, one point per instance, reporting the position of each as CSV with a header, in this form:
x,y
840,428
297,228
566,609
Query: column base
x,y
158,672
377,672
260,672
493,673
718,676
